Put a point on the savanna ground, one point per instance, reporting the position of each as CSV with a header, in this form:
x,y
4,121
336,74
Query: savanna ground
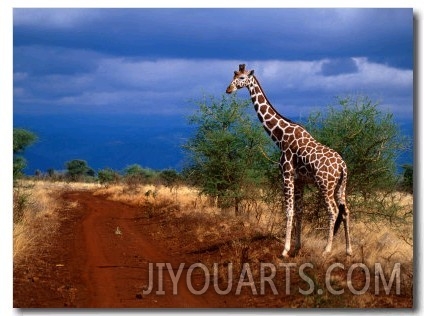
x,y
85,245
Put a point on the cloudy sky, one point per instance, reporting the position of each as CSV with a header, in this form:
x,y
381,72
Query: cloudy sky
x,y
155,60
153,63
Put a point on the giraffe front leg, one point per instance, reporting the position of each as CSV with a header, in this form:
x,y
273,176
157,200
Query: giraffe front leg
x,y
287,242
298,203
288,177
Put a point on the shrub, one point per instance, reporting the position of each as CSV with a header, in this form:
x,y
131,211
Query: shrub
x,y
367,138
369,141
225,153
108,176
21,139
78,170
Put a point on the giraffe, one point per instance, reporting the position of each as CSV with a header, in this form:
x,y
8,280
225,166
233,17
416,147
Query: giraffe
x,y
303,159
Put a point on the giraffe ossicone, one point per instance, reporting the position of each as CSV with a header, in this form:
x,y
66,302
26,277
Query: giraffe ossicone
x,y
303,159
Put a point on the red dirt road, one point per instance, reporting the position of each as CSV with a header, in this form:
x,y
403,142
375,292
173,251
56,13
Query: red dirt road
x,y
118,254
101,259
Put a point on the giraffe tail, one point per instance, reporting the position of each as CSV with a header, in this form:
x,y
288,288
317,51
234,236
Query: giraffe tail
x,y
340,216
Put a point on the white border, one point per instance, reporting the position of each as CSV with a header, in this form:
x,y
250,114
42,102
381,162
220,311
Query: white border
x,y
6,108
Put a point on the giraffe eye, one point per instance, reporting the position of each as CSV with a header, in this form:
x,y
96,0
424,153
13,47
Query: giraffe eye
x,y
242,78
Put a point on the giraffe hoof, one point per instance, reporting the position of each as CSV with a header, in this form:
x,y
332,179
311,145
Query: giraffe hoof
x,y
296,252
284,255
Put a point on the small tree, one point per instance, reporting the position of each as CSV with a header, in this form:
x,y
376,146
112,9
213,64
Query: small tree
x,y
108,176
78,169
225,153
21,139
135,175
368,140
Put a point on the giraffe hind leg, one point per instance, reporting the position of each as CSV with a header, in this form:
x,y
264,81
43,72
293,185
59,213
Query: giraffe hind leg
x,y
347,236
339,219
343,214
332,213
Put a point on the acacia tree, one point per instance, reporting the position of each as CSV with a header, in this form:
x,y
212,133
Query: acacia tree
x,y
225,152
135,175
369,141
367,138
107,176
78,170
22,138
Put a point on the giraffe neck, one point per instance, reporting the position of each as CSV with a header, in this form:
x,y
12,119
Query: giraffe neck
x,y
270,118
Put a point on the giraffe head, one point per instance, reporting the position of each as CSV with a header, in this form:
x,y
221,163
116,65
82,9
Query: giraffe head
x,y
242,78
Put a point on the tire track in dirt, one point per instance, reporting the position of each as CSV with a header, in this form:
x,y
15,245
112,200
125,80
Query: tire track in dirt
x,y
115,251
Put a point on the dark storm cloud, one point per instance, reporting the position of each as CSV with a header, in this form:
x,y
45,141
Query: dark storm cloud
x,y
155,60
289,34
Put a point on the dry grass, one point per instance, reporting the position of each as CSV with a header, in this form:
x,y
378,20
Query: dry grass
x,y
372,242
186,199
35,206
378,242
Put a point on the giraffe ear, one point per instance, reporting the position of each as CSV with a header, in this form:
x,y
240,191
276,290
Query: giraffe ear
x,y
236,73
251,73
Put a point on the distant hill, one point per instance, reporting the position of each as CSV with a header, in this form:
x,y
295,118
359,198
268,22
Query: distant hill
x,y
116,140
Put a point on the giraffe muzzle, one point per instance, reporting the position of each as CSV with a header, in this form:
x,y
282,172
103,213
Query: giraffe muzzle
x,y
231,88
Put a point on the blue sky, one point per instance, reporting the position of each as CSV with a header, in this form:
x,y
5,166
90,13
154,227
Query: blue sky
x,y
153,62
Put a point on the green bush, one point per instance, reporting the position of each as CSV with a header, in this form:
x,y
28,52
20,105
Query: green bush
x,y
135,175
78,170
226,152
21,139
108,176
367,138
369,141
